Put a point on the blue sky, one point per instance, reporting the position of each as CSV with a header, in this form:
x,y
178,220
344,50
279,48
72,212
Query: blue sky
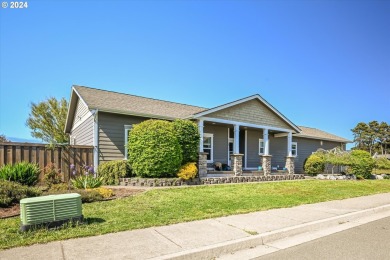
x,y
323,64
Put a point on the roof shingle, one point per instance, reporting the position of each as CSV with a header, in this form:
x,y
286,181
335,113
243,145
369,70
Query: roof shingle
x,y
130,104
319,134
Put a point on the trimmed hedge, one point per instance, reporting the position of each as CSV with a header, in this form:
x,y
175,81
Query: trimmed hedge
x,y
187,134
110,172
154,150
314,165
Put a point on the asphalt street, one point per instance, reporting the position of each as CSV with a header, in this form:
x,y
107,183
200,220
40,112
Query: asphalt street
x,y
369,242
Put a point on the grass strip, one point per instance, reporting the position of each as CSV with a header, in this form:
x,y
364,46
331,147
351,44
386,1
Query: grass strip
x,y
168,206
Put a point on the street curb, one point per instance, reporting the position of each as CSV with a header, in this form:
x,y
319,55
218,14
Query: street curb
x,y
208,252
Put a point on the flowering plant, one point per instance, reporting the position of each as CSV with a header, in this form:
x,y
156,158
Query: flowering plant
x,y
88,180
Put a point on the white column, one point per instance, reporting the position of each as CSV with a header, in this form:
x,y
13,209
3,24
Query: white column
x,y
200,128
289,144
266,141
236,148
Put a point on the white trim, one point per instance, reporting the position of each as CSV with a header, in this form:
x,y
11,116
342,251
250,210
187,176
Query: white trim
x,y
212,146
289,144
296,149
261,140
266,141
96,141
127,128
78,94
200,129
236,147
230,122
228,143
246,147
312,137
82,120
257,96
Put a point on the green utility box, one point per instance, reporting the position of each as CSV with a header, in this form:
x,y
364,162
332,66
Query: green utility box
x,y
50,211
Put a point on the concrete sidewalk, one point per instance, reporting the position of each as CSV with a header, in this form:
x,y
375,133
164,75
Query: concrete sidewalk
x,y
219,237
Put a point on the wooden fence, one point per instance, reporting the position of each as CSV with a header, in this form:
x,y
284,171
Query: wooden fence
x,y
61,157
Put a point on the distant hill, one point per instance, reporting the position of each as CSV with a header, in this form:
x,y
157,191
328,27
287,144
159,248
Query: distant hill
x,y
23,140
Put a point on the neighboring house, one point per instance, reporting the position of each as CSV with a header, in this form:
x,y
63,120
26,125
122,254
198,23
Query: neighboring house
x,y
250,127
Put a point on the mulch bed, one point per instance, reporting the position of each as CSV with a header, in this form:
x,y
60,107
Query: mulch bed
x,y
14,210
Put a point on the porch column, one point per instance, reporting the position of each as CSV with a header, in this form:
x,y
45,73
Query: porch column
x,y
289,144
266,159
202,165
266,141
289,158
200,128
237,163
236,148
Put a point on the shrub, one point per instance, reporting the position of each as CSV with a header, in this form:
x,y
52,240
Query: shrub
x,y
106,193
89,195
51,175
12,192
382,163
361,163
187,134
314,165
60,187
87,182
25,173
110,172
188,171
154,150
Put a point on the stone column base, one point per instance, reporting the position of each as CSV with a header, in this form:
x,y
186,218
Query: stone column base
x,y
290,164
236,160
266,162
202,165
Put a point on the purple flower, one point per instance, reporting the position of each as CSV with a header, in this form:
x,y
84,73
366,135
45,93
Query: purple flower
x,y
90,169
74,172
72,166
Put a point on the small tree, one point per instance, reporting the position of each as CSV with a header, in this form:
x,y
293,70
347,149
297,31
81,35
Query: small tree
x,y
154,150
187,134
3,139
47,120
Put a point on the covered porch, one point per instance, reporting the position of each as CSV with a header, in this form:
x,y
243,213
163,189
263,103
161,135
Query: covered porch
x,y
231,148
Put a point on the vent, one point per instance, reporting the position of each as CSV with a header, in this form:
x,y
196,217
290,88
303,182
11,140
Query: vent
x,y
52,210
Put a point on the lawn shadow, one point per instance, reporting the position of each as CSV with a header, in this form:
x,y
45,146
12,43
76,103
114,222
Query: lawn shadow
x,y
93,220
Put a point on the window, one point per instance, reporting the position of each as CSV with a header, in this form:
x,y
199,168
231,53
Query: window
x,y
127,131
208,146
294,148
261,146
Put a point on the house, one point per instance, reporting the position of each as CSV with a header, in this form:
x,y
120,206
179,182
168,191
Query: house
x,y
244,134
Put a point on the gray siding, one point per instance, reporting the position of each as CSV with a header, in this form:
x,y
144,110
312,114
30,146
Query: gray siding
x,y
253,136
83,133
220,142
307,146
112,135
81,110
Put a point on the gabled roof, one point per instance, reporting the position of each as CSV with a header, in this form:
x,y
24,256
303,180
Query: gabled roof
x,y
242,100
314,133
114,102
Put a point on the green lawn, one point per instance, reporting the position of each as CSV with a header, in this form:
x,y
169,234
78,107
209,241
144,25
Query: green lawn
x,y
166,206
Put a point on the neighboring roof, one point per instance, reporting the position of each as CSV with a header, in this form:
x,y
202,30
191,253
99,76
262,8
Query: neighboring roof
x,y
242,100
314,133
109,101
